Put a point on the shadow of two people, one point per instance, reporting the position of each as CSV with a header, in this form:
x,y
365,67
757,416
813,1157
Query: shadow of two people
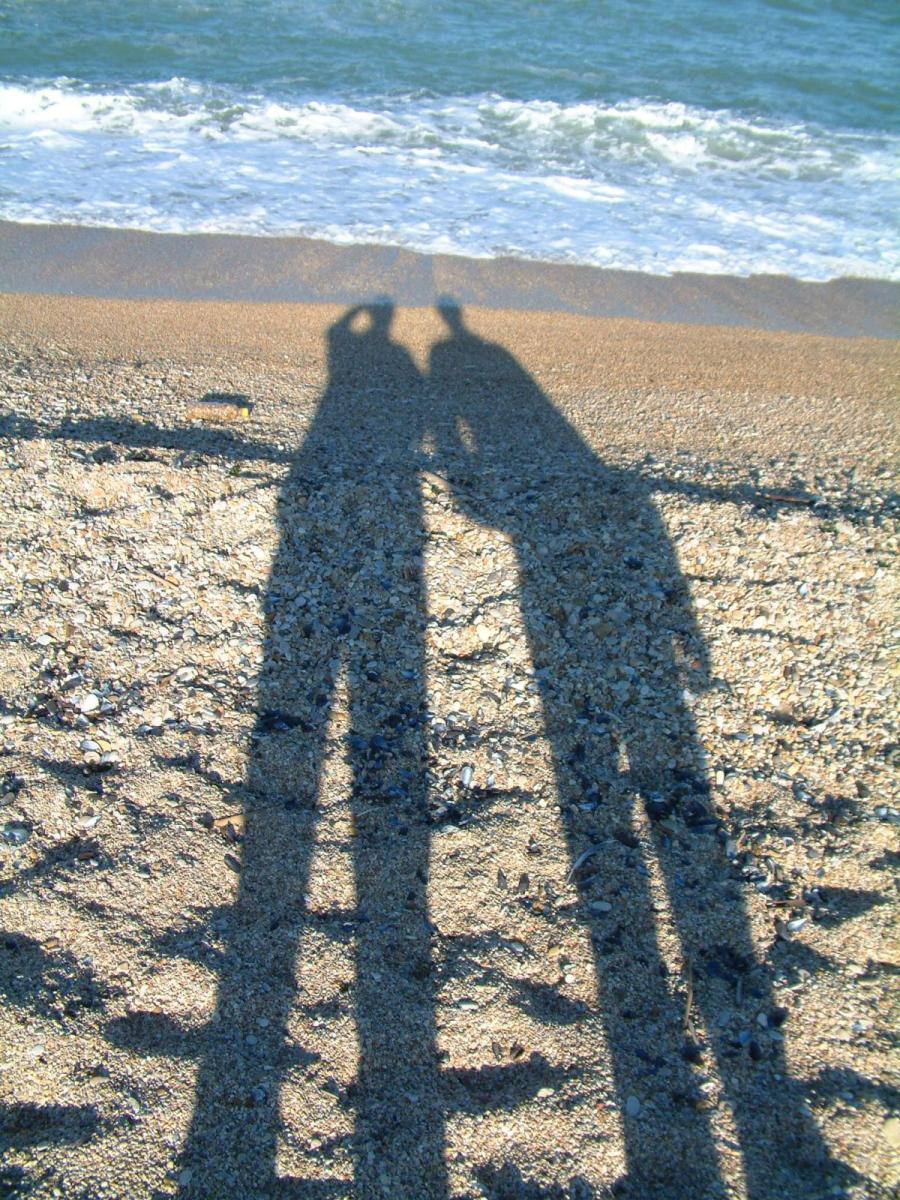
x,y
613,640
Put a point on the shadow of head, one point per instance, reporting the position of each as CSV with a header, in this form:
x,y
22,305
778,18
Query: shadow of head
x,y
450,311
370,319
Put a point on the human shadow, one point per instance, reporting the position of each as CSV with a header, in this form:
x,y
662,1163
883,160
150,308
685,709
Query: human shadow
x,y
615,645
619,656
345,611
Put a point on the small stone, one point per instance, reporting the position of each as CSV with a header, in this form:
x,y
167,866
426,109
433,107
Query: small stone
x,y
186,674
600,906
692,1052
466,775
891,1131
545,1092
632,1107
89,704
657,808
16,833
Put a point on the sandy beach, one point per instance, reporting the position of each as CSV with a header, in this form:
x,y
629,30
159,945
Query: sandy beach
x,y
132,264
446,751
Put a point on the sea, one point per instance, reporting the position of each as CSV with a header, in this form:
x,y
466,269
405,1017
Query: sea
x,y
740,137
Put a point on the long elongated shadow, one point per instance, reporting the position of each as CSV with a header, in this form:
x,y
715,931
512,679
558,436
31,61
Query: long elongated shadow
x,y
350,499
613,637
346,603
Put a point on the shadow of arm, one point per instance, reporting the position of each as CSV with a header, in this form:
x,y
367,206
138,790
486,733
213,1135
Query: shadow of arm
x,y
144,435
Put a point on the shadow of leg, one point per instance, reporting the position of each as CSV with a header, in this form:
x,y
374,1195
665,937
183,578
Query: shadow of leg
x,y
398,1138
247,1050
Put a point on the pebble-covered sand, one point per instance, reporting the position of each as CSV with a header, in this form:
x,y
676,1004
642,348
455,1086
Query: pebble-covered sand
x,y
445,757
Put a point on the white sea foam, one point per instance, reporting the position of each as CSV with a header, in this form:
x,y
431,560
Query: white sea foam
x,y
658,187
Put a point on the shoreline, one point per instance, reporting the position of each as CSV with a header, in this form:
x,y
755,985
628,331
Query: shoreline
x,y
108,263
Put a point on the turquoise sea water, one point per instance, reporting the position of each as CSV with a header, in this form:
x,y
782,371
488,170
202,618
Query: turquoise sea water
x,y
754,136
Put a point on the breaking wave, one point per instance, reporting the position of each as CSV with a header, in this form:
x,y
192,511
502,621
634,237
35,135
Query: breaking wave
x,y
635,185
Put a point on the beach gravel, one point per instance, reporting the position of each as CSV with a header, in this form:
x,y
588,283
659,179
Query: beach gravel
x,y
461,770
